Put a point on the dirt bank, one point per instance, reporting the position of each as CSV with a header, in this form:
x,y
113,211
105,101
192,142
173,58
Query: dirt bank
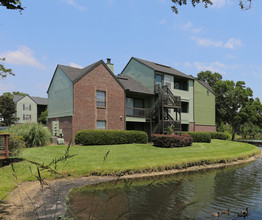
x,y
30,201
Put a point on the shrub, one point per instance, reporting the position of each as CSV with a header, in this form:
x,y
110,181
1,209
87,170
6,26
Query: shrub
x,y
171,141
200,136
15,144
109,137
33,134
219,135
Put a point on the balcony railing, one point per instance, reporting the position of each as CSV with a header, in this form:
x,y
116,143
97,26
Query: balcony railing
x,y
136,112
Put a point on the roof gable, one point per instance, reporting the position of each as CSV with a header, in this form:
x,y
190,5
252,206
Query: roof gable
x,y
163,68
75,74
130,84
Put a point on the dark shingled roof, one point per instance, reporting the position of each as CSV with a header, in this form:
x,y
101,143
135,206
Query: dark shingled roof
x,y
40,100
37,100
74,73
16,98
206,85
162,68
132,85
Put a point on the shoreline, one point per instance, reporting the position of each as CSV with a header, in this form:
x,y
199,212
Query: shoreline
x,y
29,201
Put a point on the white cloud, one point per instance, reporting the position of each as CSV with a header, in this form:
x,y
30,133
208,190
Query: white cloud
x,y
187,64
75,65
218,3
233,43
41,85
6,87
215,67
190,27
75,4
163,21
207,42
23,56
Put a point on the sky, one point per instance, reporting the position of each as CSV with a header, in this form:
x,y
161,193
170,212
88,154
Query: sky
x,y
222,38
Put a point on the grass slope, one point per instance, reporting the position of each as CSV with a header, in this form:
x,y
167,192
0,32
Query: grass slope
x,y
129,158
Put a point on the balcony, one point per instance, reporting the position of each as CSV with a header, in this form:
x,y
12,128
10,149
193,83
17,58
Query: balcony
x,y
136,112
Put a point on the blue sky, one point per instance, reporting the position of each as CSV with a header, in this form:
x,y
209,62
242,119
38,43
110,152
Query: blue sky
x,y
222,38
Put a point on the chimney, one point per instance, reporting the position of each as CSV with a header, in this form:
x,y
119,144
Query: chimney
x,y
110,65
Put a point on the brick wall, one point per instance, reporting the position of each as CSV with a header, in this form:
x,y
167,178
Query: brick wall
x,y
208,128
191,126
65,123
86,113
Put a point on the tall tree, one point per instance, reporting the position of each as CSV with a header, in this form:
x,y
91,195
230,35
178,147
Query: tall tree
x,y
7,111
3,71
14,93
12,4
244,4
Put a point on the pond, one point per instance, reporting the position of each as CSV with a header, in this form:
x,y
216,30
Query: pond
x,y
194,195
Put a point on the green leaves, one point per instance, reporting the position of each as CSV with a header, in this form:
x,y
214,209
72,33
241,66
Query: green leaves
x,y
3,71
7,110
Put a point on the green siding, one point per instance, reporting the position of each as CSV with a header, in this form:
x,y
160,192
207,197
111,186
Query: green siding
x,y
60,96
140,73
186,96
20,112
204,105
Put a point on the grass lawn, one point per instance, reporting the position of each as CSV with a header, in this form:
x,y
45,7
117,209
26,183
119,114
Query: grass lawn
x,y
129,158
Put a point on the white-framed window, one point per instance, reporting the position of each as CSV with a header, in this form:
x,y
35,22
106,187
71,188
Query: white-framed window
x,y
100,99
167,81
27,107
100,124
26,117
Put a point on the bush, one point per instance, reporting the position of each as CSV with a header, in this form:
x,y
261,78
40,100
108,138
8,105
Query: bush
x,y
200,136
219,135
109,137
15,144
171,141
33,134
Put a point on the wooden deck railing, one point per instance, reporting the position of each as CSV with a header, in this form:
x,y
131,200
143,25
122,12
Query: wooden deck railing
x,y
4,152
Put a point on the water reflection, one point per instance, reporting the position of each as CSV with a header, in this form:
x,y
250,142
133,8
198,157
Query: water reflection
x,y
181,196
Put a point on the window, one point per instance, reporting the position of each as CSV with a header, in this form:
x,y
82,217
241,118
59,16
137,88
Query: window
x,y
184,107
134,107
100,99
101,124
185,127
27,107
158,79
27,117
181,84
167,81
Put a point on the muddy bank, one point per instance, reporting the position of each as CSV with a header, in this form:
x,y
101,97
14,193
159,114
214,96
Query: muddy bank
x,y
30,201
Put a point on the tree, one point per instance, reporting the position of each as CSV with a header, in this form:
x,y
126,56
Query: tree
x,y
244,4
14,93
3,71
12,4
43,117
7,110
209,77
235,105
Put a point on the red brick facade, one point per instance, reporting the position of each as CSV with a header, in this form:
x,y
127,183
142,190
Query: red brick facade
x,y
191,126
86,113
65,123
208,128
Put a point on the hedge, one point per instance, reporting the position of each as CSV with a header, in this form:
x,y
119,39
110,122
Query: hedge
x,y
200,136
109,137
219,135
171,141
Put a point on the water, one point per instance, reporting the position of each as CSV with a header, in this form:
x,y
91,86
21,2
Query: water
x,y
182,196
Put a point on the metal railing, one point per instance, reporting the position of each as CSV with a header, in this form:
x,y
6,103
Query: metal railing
x,y
137,112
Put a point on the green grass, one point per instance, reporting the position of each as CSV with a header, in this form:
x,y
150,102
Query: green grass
x,y
129,158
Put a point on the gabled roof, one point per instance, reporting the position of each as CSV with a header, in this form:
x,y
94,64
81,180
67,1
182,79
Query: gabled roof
x,y
132,85
16,98
37,100
206,85
75,74
40,100
163,68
